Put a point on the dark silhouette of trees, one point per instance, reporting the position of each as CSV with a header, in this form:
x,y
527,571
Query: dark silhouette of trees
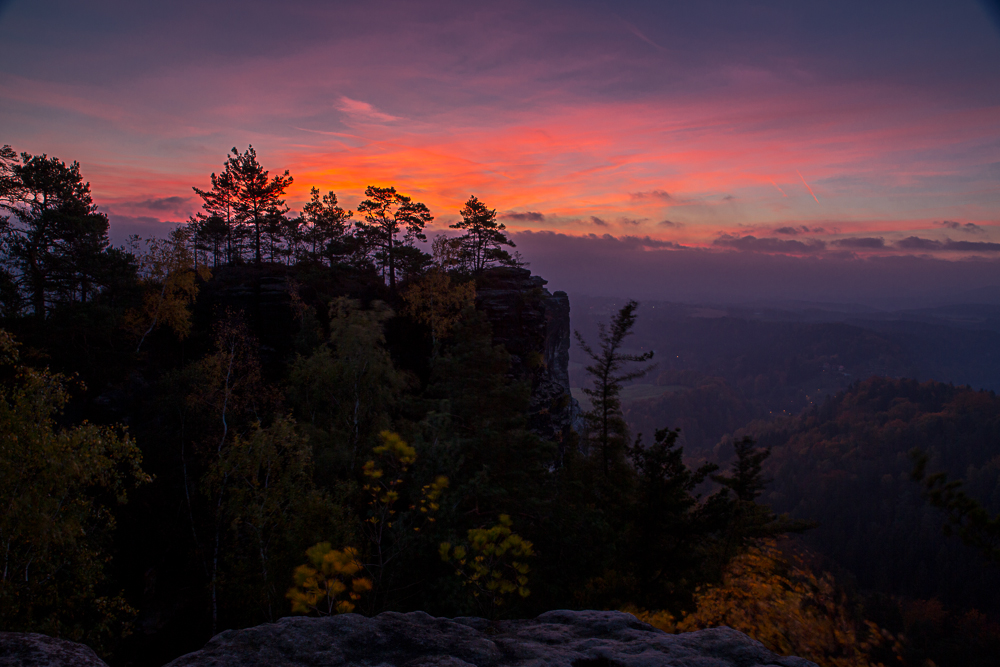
x,y
387,215
246,198
212,234
608,428
325,226
671,534
480,246
56,240
218,222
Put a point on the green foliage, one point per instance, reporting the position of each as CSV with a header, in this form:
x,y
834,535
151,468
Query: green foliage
x,y
475,431
345,392
491,564
58,490
269,495
330,584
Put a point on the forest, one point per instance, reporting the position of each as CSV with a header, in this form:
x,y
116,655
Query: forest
x,y
268,413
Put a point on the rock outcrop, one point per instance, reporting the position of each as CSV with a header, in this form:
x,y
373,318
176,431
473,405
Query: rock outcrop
x,y
533,324
26,649
555,639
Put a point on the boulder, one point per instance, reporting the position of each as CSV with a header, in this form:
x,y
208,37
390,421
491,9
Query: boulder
x,y
26,649
555,639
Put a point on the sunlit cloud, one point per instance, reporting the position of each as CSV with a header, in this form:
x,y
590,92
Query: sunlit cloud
x,y
562,122
364,111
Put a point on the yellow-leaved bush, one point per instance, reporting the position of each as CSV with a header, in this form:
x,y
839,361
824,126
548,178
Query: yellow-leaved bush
x,y
333,583
385,476
491,563
783,605
330,584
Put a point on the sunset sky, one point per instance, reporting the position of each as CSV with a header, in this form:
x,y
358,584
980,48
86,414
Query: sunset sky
x,y
679,147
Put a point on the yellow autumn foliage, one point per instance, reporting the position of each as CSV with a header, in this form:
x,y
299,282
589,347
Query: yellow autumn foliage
x,y
330,583
491,563
436,301
170,281
783,605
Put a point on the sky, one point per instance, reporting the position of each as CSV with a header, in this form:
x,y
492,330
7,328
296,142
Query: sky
x,y
713,150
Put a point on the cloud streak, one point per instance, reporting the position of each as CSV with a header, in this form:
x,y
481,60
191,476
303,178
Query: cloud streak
x,y
807,185
364,111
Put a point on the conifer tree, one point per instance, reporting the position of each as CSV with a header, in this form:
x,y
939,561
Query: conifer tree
x,y
483,238
388,215
219,219
608,430
325,224
245,196
964,516
58,242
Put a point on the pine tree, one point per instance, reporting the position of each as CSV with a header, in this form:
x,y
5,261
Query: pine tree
x,y
608,429
387,215
58,242
325,224
246,197
483,238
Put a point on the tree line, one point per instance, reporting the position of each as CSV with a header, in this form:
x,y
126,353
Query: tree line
x,y
244,218
56,249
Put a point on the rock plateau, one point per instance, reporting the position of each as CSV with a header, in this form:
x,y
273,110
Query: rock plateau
x,y
555,639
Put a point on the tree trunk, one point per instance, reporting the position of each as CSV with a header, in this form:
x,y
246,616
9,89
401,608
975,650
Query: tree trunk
x,y
392,265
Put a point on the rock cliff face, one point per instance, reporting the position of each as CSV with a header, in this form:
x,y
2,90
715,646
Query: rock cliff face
x,y
533,324
529,321
27,649
555,639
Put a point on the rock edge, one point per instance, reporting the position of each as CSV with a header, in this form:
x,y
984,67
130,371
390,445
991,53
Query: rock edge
x,y
556,639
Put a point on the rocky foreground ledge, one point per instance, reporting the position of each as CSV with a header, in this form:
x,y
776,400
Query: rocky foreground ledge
x,y
554,639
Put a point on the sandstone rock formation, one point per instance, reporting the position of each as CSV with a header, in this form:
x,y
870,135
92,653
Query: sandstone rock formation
x,y
556,639
534,326
25,649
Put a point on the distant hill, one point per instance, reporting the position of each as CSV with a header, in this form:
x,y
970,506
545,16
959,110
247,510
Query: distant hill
x,y
723,366
845,463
